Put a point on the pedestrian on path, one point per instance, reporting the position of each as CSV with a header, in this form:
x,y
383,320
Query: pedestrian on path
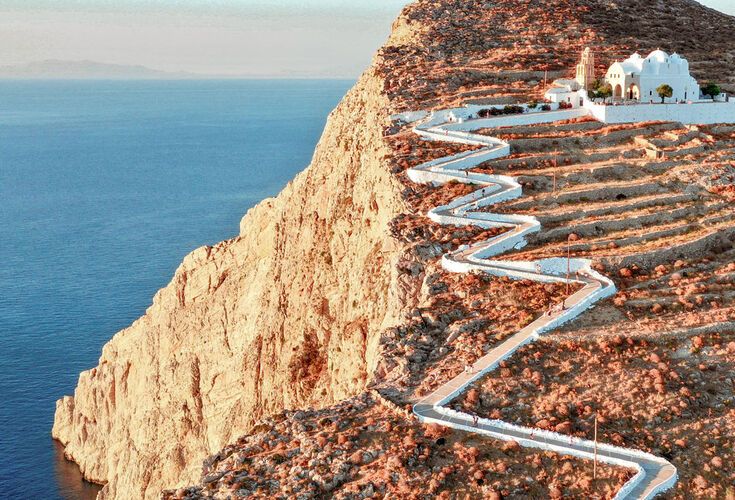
x,y
474,420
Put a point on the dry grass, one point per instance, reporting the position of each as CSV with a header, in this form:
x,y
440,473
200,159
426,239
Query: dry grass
x,y
361,449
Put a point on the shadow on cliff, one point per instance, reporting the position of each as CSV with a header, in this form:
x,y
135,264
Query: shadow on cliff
x,y
69,481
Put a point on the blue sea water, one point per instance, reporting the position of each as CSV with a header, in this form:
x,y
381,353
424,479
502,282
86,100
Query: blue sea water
x,y
104,188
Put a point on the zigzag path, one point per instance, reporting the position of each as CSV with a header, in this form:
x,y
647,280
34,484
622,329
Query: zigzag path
x,y
654,474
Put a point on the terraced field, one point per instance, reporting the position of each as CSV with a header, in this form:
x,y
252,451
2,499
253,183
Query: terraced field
x,y
652,205
617,194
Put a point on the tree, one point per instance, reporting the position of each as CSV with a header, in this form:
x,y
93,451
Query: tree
x,y
604,91
712,90
664,91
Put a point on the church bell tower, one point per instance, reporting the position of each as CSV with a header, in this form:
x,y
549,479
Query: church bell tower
x,y
586,69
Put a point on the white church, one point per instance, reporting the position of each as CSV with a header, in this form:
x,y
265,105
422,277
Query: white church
x,y
633,84
637,78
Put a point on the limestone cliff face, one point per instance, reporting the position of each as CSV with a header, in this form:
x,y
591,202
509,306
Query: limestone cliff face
x,y
286,315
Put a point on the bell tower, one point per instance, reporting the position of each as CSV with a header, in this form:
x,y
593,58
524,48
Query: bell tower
x,y
586,69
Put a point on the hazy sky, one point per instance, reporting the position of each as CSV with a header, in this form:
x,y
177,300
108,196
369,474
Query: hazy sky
x,y
234,37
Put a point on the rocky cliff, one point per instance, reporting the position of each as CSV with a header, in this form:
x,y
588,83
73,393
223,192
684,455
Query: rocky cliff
x,y
286,315
297,311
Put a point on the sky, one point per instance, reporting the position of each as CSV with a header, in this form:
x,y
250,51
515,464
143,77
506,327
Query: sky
x,y
266,38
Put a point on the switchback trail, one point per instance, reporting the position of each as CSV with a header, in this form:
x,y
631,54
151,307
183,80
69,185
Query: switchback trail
x,y
654,474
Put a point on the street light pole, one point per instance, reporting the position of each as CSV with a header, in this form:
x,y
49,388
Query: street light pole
x,y
569,256
594,470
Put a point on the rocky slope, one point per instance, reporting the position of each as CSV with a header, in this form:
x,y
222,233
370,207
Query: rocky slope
x,y
365,448
296,312
663,228
288,314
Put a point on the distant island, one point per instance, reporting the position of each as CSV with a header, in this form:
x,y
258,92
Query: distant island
x,y
54,69
72,70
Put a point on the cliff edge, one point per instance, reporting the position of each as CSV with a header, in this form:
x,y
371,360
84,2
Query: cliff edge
x,y
285,315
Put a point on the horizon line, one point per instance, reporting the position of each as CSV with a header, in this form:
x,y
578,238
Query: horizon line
x,y
177,79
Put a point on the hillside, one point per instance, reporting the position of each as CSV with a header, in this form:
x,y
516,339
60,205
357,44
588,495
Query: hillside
x,y
447,52
335,287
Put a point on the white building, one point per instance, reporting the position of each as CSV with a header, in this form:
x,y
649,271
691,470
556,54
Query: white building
x,y
563,91
567,91
637,78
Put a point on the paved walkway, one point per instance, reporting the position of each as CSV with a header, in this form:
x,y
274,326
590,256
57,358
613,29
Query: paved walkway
x,y
654,474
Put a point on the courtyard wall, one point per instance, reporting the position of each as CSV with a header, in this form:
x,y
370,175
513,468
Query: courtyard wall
x,y
689,114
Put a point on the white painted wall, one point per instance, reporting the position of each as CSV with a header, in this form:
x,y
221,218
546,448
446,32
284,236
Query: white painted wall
x,y
557,97
689,114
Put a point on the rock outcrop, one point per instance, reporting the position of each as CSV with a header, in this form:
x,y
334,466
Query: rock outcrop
x,y
286,315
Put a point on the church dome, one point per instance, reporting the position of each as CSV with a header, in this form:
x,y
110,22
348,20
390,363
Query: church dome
x,y
658,56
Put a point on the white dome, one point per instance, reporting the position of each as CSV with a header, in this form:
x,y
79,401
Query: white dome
x,y
658,56
637,78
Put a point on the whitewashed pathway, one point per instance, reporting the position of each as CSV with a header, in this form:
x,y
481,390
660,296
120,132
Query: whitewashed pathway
x,y
654,474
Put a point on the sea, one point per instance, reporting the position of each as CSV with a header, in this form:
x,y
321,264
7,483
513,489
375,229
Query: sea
x,y
104,187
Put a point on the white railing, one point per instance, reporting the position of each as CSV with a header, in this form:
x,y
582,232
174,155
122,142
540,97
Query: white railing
x,y
464,211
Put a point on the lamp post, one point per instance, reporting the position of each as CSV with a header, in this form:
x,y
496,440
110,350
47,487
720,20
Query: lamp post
x,y
572,237
569,258
594,469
